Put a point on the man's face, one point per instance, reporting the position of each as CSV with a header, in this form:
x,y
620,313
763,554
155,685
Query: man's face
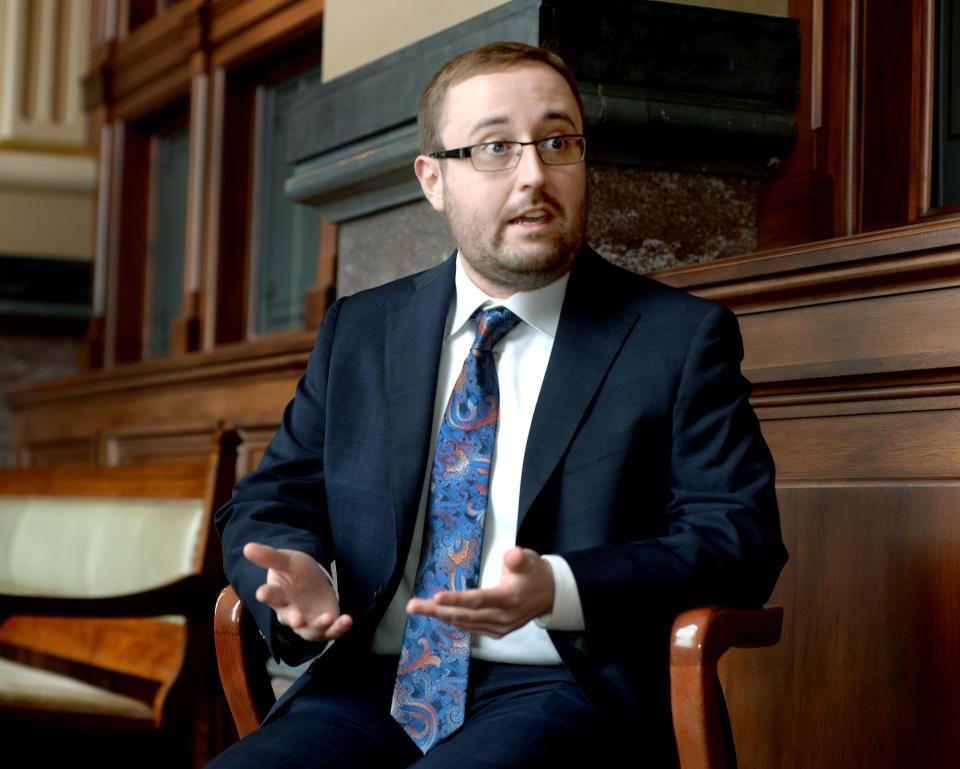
x,y
520,228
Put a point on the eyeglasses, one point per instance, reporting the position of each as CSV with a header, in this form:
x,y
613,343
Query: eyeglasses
x,y
502,156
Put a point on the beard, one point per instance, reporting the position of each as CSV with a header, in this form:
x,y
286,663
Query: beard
x,y
522,263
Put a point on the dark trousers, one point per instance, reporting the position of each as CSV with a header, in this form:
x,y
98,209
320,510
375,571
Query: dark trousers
x,y
517,716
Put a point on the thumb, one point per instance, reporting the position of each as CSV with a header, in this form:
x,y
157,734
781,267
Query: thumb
x,y
515,560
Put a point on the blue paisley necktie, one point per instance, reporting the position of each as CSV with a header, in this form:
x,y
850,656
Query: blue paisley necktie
x,y
431,689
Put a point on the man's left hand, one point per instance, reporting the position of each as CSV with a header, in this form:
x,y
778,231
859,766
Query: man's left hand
x,y
525,592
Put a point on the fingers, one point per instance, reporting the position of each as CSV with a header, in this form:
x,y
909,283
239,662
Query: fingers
x,y
486,598
274,595
266,557
339,626
325,627
297,589
493,612
494,622
525,592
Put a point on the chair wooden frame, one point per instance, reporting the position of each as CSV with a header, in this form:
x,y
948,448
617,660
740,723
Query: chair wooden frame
x,y
698,639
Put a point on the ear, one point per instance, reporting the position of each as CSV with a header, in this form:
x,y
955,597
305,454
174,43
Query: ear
x,y
431,180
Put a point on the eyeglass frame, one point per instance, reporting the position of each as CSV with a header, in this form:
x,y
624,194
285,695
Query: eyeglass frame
x,y
461,153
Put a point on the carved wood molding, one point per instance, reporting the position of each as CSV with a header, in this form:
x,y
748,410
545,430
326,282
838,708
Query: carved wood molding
x,y
856,325
279,353
882,262
276,19
153,64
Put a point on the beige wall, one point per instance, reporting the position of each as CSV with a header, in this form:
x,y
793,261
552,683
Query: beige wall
x,y
355,33
767,7
46,224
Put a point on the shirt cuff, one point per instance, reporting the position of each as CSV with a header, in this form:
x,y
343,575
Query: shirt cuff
x,y
332,577
567,613
336,591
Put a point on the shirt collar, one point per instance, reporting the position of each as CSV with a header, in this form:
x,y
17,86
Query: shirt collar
x,y
539,308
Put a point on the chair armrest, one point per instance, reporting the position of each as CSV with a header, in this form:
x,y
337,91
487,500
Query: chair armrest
x,y
697,641
189,596
240,659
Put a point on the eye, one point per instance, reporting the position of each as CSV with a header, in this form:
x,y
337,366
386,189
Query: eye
x,y
555,143
494,149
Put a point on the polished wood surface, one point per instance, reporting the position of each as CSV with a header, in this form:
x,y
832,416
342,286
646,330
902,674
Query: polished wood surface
x,y
242,670
176,481
699,638
144,648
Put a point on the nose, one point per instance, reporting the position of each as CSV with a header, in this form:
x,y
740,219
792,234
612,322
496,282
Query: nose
x,y
530,170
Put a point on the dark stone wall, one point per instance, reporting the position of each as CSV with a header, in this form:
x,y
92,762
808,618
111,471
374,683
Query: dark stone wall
x,y
377,248
648,220
640,219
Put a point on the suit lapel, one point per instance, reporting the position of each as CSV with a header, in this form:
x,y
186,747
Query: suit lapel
x,y
415,326
594,322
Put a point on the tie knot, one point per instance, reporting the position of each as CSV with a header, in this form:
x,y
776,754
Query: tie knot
x,y
492,325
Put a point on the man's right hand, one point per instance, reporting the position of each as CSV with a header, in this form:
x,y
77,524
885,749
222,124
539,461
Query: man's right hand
x,y
300,593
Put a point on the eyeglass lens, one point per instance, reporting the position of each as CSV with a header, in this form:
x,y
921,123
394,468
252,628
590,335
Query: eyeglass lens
x,y
555,150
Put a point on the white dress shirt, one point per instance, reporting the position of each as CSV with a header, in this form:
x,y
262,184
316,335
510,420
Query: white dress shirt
x,y
521,358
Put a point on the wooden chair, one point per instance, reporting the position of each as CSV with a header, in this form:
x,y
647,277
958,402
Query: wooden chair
x,y
106,579
698,640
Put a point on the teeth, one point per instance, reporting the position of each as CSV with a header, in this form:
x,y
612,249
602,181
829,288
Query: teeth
x,y
531,218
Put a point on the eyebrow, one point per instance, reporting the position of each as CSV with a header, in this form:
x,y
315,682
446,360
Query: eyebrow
x,y
496,120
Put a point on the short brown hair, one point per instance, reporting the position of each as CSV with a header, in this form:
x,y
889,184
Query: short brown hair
x,y
492,57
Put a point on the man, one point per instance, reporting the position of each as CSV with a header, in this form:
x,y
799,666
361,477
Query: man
x,y
629,479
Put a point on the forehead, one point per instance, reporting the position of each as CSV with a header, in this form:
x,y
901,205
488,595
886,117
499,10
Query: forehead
x,y
521,98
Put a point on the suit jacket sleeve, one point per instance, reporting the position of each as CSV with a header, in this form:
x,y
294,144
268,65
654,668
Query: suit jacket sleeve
x,y
719,538
283,503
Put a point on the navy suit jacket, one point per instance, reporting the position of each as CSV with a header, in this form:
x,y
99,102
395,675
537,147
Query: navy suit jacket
x,y
645,468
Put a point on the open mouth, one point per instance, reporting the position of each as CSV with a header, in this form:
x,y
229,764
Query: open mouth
x,y
532,217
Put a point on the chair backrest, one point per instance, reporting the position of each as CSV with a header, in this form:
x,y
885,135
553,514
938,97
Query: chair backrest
x,y
130,534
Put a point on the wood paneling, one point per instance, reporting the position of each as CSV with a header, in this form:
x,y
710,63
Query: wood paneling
x,y
164,409
852,349
866,673
901,332
909,445
59,450
157,444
